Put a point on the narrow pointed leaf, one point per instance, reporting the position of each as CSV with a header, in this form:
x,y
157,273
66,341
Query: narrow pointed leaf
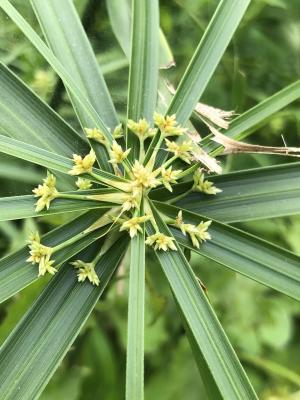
x,y
25,117
207,331
244,124
69,82
16,273
18,173
206,57
18,207
51,161
119,12
244,253
135,331
211,389
53,322
246,195
143,72
66,37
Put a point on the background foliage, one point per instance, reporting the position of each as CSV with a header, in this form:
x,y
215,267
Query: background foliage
x,y
262,325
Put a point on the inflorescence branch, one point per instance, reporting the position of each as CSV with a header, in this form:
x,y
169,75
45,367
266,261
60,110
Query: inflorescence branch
x,y
130,188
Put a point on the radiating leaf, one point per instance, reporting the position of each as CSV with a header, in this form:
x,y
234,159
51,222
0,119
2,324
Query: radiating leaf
x,y
53,322
206,57
16,273
207,331
119,12
66,37
25,117
143,71
244,253
51,160
211,389
69,82
246,195
136,320
18,207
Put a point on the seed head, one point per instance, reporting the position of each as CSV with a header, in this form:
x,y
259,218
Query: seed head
x,y
83,165
180,150
133,225
168,125
117,153
95,134
202,185
83,184
161,242
47,192
168,176
86,271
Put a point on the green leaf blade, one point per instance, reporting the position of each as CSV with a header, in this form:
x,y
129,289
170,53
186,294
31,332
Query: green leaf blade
x,y
53,161
206,57
119,12
67,39
207,331
244,253
18,207
16,273
69,82
246,195
58,313
25,117
143,72
135,331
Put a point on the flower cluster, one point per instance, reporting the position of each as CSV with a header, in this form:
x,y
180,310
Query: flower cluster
x,y
47,192
141,128
96,135
83,165
168,125
86,271
202,185
198,234
129,189
181,150
118,154
169,176
83,184
40,254
161,242
133,225
143,176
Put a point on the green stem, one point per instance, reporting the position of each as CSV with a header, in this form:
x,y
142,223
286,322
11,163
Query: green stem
x,y
72,196
127,166
189,171
180,196
155,150
68,242
148,210
142,150
169,161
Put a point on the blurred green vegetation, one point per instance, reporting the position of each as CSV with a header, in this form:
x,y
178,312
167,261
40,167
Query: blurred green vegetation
x,y
263,326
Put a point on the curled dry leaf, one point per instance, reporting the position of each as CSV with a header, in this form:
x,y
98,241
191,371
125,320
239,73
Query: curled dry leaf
x,y
233,146
215,115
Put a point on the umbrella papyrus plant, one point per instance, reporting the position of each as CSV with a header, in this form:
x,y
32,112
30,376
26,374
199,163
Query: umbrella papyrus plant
x,y
138,183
